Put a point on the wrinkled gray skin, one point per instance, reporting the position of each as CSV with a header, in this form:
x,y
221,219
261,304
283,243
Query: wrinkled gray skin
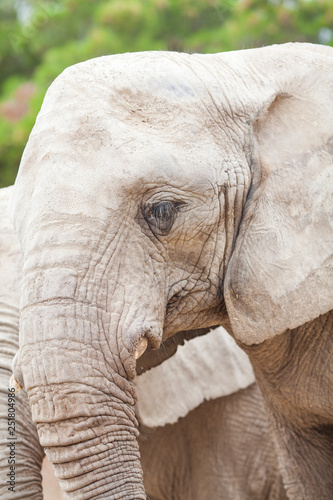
x,y
222,449
161,192
199,456
28,451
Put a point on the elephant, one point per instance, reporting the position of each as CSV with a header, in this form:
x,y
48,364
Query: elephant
x,y
161,193
21,461
175,404
200,459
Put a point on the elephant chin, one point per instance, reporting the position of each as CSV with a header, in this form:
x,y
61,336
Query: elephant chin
x,y
82,402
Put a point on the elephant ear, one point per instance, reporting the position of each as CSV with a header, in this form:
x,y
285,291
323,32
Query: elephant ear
x,y
280,275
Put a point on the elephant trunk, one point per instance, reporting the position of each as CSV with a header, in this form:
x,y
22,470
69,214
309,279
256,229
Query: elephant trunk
x,y
95,455
81,398
83,317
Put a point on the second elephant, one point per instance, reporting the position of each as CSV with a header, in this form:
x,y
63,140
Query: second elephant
x,y
222,450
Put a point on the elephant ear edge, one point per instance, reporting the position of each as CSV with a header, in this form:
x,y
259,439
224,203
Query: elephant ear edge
x,y
281,272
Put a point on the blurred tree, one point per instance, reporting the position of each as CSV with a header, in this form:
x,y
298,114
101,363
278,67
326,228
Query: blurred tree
x,y
42,37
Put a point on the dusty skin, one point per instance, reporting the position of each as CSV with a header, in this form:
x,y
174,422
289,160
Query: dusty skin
x,y
207,376
163,192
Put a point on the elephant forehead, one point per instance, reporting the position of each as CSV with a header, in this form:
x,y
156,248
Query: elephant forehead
x,y
148,158
161,93
134,114
126,81
96,147
120,121
93,173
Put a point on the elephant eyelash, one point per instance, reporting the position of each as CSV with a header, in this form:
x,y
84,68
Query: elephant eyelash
x,y
161,216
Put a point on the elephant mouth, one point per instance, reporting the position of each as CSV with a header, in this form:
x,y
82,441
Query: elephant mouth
x,y
154,357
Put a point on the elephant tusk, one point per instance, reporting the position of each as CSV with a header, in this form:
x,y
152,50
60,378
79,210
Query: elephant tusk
x,y
13,384
141,347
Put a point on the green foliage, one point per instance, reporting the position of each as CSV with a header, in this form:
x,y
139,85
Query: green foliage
x,y
42,37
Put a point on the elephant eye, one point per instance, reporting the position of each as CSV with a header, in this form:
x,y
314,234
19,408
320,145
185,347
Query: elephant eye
x,y
162,216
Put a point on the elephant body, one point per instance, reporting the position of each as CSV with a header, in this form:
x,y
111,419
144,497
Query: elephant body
x,y
204,428
223,449
159,195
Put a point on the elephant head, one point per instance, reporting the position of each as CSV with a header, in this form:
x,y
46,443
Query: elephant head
x,y
165,394
162,192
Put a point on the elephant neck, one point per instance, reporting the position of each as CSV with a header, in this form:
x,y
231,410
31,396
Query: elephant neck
x,y
293,372
287,370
